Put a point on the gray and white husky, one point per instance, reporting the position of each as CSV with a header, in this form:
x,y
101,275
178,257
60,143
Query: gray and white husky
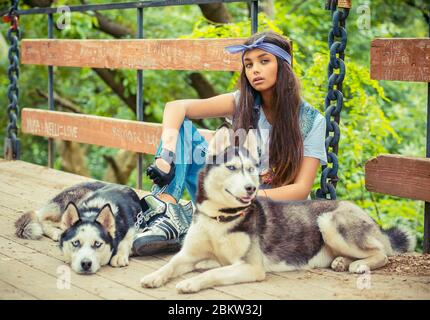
x,y
93,222
249,236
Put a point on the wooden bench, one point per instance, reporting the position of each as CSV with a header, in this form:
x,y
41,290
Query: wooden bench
x,y
402,176
397,175
401,60
140,54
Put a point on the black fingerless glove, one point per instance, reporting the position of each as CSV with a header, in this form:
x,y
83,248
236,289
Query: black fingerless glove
x,y
159,177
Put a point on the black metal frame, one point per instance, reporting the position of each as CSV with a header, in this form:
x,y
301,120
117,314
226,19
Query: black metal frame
x,y
51,150
122,6
126,5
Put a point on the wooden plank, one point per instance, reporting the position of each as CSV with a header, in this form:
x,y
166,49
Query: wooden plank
x,y
136,136
40,174
406,177
32,185
9,292
95,284
159,54
400,59
37,283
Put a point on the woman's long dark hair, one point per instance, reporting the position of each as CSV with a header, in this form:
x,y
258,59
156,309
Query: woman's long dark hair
x,y
286,143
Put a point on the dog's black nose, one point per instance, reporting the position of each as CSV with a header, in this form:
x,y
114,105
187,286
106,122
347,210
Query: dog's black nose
x,y
250,189
86,265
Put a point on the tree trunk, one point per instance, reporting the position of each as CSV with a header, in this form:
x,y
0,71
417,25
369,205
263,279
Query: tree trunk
x,y
201,85
72,157
60,102
215,12
120,168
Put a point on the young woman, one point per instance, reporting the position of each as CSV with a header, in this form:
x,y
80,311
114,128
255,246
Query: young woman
x,y
290,130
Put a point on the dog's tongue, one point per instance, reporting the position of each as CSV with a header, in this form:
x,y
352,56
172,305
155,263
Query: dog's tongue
x,y
245,199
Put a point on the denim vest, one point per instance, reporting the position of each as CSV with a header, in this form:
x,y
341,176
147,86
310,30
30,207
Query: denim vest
x,y
307,116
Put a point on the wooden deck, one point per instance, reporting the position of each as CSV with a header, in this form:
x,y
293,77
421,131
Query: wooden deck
x,y
33,269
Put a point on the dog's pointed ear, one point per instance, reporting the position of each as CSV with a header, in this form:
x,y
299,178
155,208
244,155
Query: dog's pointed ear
x,y
107,220
70,216
220,141
251,144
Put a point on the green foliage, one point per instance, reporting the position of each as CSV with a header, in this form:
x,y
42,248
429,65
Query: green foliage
x,y
377,117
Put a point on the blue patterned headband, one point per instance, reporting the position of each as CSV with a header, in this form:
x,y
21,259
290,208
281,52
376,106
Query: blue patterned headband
x,y
259,44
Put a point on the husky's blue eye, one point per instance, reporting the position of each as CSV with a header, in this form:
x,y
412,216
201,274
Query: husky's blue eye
x,y
251,170
232,168
76,243
97,244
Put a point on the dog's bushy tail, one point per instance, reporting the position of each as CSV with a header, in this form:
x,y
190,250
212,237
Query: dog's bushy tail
x,y
28,226
401,240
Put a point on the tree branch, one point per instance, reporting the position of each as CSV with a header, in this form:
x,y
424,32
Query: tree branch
x,y
61,102
423,9
215,12
114,29
108,76
110,27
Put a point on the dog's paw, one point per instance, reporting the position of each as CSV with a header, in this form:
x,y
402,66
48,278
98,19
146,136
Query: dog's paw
x,y
188,286
358,267
153,280
54,234
339,264
119,260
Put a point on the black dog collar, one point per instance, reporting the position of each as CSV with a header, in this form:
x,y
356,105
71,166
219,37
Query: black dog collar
x,y
230,211
227,218
233,210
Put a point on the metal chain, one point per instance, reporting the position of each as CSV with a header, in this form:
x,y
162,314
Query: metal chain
x,y
12,143
139,220
329,177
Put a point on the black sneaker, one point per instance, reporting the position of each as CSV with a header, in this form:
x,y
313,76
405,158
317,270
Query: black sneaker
x,y
151,207
166,232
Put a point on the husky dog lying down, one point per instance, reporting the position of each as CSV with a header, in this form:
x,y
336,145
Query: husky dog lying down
x,y
93,222
249,236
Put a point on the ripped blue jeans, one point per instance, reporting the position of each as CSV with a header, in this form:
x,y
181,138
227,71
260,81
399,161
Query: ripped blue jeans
x,y
191,149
